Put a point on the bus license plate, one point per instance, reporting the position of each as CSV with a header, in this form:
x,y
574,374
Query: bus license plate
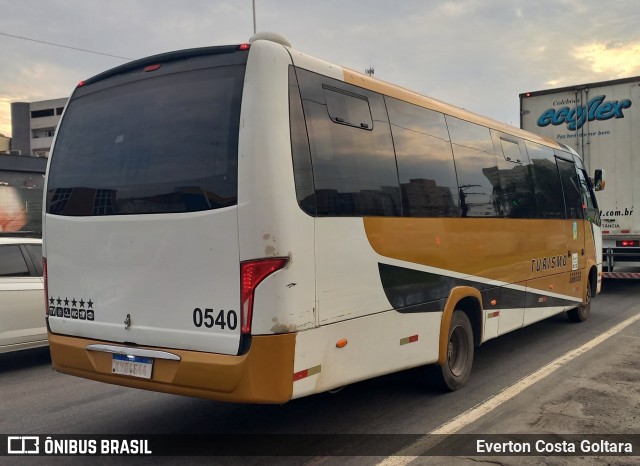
x,y
133,366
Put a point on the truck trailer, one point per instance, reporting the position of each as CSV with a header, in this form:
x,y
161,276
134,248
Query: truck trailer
x,y
601,121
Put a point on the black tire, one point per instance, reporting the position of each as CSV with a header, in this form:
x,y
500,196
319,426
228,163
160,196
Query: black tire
x,y
581,313
457,368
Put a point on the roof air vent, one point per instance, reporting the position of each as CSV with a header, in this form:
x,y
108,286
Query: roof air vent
x,y
272,36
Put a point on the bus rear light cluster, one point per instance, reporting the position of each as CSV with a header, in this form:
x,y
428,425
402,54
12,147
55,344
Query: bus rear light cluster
x,y
251,274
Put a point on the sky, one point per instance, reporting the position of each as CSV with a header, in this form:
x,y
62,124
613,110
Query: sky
x,y
476,54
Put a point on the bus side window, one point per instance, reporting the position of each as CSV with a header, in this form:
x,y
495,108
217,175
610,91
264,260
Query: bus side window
x,y
588,198
425,160
302,172
476,167
571,188
546,181
354,167
516,182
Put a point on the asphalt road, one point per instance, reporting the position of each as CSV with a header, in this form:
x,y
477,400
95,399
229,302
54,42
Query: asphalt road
x,y
595,393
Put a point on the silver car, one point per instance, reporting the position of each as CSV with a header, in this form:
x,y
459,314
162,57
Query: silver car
x,y
22,301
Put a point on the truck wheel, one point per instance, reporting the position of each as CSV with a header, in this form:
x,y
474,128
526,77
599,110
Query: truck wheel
x,y
457,368
581,313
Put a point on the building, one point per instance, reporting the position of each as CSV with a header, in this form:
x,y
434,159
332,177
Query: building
x,y
5,144
21,191
34,124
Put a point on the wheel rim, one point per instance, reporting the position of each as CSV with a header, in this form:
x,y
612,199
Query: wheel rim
x,y
457,351
584,310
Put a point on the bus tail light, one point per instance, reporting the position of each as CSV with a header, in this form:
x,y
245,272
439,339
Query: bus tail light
x,y
46,286
251,274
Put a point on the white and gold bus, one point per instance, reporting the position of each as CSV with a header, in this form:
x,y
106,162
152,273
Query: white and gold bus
x,y
252,224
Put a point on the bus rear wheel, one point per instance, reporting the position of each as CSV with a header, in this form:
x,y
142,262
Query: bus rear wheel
x,y
581,313
457,368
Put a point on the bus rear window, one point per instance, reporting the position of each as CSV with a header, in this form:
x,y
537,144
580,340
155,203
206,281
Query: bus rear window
x,y
164,144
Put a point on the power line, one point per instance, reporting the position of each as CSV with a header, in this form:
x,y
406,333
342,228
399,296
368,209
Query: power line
x,y
64,46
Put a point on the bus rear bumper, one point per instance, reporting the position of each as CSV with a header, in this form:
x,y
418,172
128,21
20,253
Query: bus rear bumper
x,y
263,375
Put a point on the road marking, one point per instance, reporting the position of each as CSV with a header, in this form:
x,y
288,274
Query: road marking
x,y
411,452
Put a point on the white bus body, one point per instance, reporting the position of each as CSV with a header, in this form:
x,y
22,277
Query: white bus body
x,y
183,253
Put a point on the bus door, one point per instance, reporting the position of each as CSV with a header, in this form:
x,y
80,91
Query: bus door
x,y
592,231
575,215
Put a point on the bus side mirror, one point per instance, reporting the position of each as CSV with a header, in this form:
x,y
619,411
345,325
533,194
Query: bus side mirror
x,y
599,180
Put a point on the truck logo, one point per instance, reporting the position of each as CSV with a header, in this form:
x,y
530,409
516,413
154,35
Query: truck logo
x,y
575,118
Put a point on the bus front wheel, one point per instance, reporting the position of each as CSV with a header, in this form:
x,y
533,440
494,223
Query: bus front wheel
x,y
457,368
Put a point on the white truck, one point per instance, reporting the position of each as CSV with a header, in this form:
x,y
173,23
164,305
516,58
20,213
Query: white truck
x,y
601,121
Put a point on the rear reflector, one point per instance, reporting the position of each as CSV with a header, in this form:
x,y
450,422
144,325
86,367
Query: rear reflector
x,y
152,68
307,373
251,274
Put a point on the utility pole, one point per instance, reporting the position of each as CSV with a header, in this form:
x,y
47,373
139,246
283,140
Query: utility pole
x,y
254,16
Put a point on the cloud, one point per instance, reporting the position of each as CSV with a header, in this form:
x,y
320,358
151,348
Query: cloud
x,y
452,8
29,82
477,54
612,59
5,116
